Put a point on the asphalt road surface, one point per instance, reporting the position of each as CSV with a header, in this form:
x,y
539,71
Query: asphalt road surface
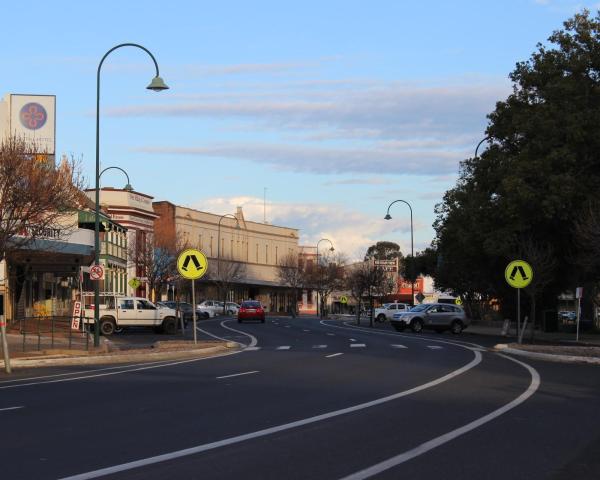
x,y
307,400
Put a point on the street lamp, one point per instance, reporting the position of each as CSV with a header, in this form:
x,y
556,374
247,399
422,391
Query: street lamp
x,y
479,144
128,187
320,311
219,248
412,252
157,84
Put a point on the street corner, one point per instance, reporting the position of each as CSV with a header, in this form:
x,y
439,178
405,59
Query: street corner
x,y
553,353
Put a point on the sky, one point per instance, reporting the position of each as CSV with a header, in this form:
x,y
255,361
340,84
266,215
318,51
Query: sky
x,y
329,110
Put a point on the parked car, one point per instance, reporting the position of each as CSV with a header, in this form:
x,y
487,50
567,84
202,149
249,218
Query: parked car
x,y
251,310
232,308
437,316
184,308
386,312
210,308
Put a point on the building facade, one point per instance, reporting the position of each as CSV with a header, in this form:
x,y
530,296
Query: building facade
x,y
256,249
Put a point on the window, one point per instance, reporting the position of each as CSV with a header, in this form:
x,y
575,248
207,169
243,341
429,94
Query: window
x,y
266,254
145,305
276,254
231,251
126,304
257,253
211,247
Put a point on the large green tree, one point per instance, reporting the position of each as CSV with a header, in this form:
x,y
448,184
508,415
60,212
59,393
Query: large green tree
x,y
541,168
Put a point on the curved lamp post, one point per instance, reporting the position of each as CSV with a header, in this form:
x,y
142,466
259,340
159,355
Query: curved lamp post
x,y
219,247
412,252
157,84
128,187
479,144
320,310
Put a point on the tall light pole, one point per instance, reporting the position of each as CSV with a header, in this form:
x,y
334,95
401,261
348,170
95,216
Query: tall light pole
x,y
412,242
157,84
320,310
127,187
486,139
219,248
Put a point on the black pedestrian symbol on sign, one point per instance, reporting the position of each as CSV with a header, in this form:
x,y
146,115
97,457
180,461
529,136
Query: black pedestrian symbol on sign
x,y
519,269
193,259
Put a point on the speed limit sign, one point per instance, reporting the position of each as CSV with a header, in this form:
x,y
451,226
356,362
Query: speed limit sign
x,y
97,272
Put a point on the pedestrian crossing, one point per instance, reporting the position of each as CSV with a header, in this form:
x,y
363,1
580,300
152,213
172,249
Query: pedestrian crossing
x,y
325,347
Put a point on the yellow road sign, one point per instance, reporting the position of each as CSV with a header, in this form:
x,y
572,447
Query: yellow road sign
x,y
192,264
134,283
458,301
518,274
343,299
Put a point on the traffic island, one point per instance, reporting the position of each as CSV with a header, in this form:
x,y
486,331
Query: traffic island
x,y
162,350
553,353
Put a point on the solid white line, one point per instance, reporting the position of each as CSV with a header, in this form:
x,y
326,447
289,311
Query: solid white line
x,y
269,431
319,346
253,339
447,437
283,347
84,377
357,345
239,374
10,408
333,355
398,346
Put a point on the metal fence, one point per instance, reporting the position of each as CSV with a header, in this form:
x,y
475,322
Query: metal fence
x,y
52,332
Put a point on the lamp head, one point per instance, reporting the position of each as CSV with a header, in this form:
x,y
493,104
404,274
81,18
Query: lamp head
x,y
332,249
387,217
157,84
128,188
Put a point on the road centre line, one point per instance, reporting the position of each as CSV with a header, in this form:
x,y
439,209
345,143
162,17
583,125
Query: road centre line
x,y
319,346
333,355
359,345
238,374
398,346
283,347
271,430
434,347
452,435
10,408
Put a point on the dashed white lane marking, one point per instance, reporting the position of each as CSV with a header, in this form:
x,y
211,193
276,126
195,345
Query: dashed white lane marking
x,y
357,345
306,330
10,408
398,346
251,349
333,355
434,347
319,346
238,374
287,326
283,347
331,334
269,431
447,437
353,339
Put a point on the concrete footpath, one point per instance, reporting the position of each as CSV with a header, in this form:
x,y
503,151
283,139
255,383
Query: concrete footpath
x,y
61,355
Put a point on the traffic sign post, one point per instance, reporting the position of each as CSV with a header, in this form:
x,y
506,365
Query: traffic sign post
x,y
192,264
578,295
518,274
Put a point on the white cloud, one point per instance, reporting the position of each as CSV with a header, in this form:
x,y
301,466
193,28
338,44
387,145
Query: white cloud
x,y
350,231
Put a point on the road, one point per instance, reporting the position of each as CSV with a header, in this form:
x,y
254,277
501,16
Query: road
x,y
307,399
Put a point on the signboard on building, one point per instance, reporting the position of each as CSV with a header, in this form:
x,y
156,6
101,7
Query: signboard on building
x,y
33,118
387,265
76,316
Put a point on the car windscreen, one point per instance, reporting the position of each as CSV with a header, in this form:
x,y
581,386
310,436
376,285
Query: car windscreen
x,y
251,304
418,308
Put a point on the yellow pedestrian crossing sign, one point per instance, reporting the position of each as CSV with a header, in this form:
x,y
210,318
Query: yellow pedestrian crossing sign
x,y
458,301
343,299
518,274
192,264
134,283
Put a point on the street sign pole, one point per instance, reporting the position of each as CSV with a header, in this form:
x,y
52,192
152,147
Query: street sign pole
x,y
519,315
194,311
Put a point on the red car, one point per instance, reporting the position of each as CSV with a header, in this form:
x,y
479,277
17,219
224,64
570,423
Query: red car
x,y
251,310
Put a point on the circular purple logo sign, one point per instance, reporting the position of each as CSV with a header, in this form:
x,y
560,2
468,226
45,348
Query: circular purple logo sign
x,y
33,116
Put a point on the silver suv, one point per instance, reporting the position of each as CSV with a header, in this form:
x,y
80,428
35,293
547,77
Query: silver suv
x,y
437,316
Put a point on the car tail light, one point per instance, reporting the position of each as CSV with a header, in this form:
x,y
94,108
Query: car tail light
x,y
242,309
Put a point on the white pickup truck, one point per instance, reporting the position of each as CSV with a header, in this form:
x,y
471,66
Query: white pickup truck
x,y
118,312
387,310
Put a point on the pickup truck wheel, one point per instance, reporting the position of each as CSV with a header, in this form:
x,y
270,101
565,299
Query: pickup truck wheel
x,y
381,317
417,325
107,326
206,315
170,326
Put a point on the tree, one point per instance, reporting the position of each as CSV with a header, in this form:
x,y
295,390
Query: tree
x,y
35,197
383,251
157,263
291,274
227,274
367,280
542,164
327,276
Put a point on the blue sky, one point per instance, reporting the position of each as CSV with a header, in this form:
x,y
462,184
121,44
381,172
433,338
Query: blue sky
x,y
336,108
